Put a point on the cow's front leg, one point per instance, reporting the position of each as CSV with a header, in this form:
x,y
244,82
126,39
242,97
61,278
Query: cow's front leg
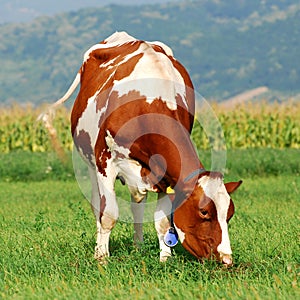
x,y
106,212
162,224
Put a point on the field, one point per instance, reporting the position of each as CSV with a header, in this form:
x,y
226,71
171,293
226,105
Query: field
x,y
47,239
47,233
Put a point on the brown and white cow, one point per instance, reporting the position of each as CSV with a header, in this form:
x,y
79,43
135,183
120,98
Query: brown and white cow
x,y
132,120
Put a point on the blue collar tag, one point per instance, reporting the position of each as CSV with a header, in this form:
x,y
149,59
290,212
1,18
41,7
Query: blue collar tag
x,y
171,237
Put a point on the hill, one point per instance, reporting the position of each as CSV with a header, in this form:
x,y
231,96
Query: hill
x,y
24,11
227,47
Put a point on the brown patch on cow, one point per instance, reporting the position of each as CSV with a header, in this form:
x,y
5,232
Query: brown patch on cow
x,y
158,48
230,212
117,113
102,206
101,160
83,142
119,155
145,172
211,174
124,70
102,97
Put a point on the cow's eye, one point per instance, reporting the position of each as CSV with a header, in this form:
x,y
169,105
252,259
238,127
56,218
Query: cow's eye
x,y
204,214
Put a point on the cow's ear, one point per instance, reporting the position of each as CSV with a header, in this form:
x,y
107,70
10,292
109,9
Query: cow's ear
x,y
232,186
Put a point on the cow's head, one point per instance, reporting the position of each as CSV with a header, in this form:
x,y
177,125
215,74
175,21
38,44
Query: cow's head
x,y
202,219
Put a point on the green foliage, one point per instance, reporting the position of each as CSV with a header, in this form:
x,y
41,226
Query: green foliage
x,y
262,162
228,47
244,127
26,166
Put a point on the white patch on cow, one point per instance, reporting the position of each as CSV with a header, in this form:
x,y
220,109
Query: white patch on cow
x,y
114,147
120,37
160,82
215,189
180,233
103,186
89,120
162,224
128,168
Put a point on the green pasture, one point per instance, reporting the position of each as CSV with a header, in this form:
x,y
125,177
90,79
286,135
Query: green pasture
x,y
47,237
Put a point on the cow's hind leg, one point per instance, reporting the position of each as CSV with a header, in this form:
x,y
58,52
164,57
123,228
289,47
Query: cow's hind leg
x,y
106,212
138,216
162,224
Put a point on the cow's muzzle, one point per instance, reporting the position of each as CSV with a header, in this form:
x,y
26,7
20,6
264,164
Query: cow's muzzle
x,y
226,259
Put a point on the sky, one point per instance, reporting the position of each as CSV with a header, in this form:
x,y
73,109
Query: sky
x,y
27,10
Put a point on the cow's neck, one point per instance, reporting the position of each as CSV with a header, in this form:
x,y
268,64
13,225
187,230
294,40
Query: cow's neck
x,y
181,162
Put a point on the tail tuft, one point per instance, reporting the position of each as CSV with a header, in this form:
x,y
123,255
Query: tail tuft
x,y
47,118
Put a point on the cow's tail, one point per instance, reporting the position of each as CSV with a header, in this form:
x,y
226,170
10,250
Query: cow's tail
x,y
48,115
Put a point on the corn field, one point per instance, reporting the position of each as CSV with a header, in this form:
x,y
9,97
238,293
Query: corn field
x,y
20,130
256,126
249,126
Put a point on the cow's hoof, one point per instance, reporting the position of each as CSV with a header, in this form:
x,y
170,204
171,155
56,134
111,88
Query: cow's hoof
x,y
164,256
100,256
102,260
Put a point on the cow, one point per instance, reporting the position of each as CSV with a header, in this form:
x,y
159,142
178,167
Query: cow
x,y
132,121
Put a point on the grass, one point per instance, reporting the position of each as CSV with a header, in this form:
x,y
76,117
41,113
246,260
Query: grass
x,y
26,166
47,237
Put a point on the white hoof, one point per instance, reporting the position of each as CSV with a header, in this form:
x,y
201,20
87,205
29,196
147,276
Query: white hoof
x,y
164,256
101,256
